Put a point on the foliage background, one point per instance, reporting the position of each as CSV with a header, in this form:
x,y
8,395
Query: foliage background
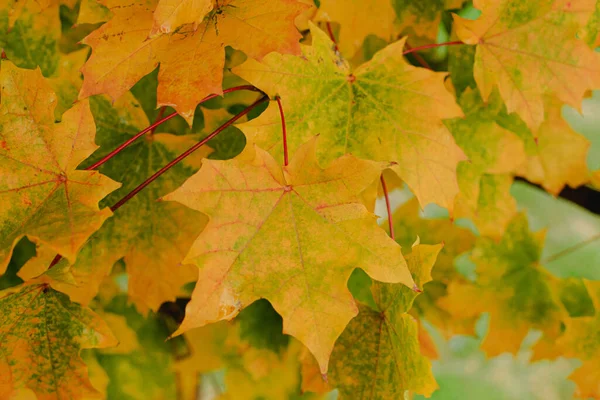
x,y
250,357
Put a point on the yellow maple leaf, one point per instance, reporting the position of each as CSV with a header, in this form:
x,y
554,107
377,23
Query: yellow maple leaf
x,y
530,49
142,232
512,286
191,58
42,194
292,236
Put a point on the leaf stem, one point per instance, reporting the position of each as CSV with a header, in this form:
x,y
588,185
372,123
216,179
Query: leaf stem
x,y
331,35
129,141
179,158
285,146
186,153
431,46
389,207
417,57
152,127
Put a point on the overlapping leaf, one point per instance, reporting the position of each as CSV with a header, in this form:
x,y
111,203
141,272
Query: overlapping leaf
x,y
377,356
385,110
557,157
191,57
41,335
494,153
529,50
42,194
586,123
410,225
512,286
292,236
152,237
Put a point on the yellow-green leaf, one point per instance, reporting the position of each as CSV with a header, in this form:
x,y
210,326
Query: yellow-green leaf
x,y
152,237
385,110
378,356
291,235
41,335
530,49
42,194
512,286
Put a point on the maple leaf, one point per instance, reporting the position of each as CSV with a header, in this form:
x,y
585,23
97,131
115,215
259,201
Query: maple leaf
x,y
42,333
42,193
377,356
493,153
530,49
517,292
66,80
354,27
191,60
385,110
555,159
150,236
292,236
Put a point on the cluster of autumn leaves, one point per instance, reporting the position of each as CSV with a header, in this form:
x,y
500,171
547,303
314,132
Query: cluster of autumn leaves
x,y
284,215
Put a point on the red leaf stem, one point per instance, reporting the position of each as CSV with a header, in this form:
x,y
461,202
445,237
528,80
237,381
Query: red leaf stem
x,y
179,158
331,35
431,46
152,127
417,57
285,146
129,141
186,153
389,207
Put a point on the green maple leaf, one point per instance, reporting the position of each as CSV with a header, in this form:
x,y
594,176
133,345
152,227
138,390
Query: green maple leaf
x,y
385,110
